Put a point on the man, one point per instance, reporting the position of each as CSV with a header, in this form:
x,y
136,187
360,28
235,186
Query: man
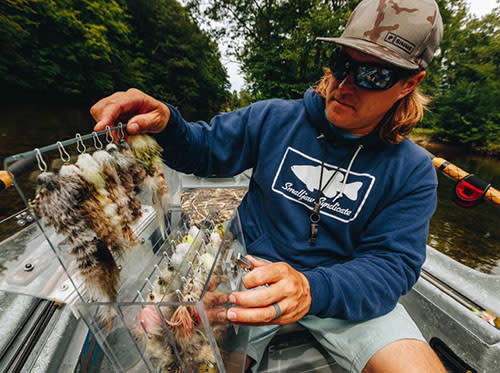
x,y
339,200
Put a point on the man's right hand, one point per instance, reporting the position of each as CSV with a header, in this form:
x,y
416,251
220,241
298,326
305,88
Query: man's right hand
x,y
142,113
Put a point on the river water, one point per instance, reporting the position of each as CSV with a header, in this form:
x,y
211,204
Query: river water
x,y
471,236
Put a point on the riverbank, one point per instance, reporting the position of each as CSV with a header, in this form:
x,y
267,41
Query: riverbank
x,y
424,138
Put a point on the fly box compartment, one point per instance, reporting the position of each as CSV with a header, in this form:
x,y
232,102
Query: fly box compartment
x,y
113,245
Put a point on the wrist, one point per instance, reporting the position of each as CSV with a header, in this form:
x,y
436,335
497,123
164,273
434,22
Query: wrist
x,y
165,115
319,292
306,288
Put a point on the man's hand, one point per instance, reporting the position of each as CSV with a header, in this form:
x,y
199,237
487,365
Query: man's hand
x,y
142,112
214,301
287,287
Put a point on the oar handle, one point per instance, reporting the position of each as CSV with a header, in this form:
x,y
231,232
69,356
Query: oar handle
x,y
493,195
5,180
15,169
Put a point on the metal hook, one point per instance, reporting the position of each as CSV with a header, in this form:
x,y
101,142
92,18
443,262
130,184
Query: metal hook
x,y
63,153
150,284
78,142
40,160
157,268
120,131
109,138
179,294
97,141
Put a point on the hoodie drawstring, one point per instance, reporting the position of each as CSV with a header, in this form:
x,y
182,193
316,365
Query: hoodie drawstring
x,y
315,217
349,167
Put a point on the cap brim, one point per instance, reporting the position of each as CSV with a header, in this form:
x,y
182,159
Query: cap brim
x,y
373,49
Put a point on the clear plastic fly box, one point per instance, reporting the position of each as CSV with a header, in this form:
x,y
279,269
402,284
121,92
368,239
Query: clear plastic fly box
x,y
166,316
103,232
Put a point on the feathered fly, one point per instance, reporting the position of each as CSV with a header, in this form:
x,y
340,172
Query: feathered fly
x,y
63,201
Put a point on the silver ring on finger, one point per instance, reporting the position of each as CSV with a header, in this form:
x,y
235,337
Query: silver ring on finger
x,y
278,311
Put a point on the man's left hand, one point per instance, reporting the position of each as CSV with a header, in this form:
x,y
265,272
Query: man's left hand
x,y
286,287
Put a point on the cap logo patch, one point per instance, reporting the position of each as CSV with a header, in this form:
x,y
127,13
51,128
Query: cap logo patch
x,y
400,42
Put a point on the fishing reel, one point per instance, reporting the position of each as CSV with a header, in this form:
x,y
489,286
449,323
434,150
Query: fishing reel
x,y
470,191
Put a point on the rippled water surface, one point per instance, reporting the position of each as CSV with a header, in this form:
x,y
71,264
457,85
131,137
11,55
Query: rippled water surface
x,y
471,236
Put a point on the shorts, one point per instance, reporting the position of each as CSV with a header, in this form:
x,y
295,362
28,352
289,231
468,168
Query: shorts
x,y
351,343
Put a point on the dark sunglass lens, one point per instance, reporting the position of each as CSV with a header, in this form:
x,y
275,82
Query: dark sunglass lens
x,y
374,77
340,74
341,66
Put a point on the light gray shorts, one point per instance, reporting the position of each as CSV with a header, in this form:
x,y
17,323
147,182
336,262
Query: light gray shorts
x,y
351,343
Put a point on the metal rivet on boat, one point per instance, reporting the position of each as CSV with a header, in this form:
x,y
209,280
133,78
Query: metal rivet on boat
x,y
142,240
64,287
119,267
28,267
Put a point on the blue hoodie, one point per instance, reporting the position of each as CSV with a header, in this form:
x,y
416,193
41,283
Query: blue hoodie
x,y
374,213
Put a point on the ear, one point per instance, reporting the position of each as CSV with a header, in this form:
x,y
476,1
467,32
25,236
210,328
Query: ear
x,y
410,84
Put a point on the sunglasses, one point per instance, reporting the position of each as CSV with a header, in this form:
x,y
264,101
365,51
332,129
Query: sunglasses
x,y
367,75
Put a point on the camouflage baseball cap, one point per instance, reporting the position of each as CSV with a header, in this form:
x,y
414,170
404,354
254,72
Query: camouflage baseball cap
x,y
405,33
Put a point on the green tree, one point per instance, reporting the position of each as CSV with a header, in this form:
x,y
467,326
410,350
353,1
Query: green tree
x,y
86,49
466,107
75,47
239,100
183,65
454,14
275,40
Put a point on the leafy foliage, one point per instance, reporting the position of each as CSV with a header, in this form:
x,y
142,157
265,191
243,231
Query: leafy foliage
x,y
239,100
277,50
466,108
85,49
182,63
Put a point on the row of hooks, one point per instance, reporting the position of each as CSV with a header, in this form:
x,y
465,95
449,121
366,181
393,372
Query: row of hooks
x,y
80,146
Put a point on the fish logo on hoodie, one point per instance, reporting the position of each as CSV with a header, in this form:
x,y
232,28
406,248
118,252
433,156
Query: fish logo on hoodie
x,y
310,176
298,179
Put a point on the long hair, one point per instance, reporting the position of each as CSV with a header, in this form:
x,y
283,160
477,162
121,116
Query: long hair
x,y
399,120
